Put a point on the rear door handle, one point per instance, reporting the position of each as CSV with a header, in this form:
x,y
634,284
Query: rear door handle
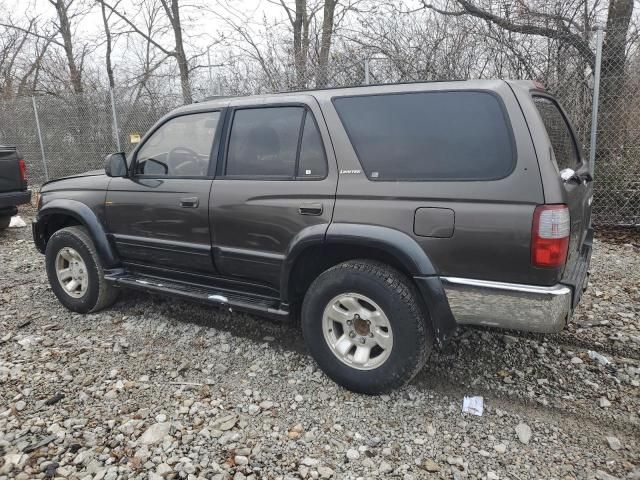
x,y
189,202
310,209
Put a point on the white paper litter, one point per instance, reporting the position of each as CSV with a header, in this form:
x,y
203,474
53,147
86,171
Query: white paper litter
x,y
473,405
598,357
17,222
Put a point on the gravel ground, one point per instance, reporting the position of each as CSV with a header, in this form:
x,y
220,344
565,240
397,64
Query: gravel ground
x,y
158,388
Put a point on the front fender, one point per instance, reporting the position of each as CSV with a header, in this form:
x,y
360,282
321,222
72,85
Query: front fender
x,y
85,216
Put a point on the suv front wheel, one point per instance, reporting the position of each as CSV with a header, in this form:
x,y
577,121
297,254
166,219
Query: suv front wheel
x,y
363,324
75,271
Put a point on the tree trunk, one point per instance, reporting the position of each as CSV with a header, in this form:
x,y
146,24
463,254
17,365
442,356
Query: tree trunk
x,y
75,74
299,52
173,13
612,112
325,42
107,32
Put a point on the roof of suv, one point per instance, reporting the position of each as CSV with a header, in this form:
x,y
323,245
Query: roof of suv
x,y
328,93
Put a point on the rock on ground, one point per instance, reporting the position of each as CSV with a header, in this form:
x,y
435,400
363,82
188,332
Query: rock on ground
x,y
157,388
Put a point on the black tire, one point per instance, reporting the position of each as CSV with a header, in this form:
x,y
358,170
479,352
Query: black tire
x,y
99,294
4,222
397,297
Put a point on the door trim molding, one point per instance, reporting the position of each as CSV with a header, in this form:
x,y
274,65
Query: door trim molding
x,y
162,244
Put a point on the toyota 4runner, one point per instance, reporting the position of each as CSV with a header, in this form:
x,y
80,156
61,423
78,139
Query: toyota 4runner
x,y
381,217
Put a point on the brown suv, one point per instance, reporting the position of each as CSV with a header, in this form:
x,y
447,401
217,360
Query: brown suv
x,y
380,216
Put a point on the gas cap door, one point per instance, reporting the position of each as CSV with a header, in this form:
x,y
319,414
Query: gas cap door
x,y
434,222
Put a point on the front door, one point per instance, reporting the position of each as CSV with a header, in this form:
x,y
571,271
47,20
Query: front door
x,y
275,180
159,214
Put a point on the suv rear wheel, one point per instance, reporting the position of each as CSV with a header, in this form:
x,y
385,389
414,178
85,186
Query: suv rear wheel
x,y
363,324
75,271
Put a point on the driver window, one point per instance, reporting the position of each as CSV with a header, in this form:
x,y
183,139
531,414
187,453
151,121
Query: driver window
x,y
179,148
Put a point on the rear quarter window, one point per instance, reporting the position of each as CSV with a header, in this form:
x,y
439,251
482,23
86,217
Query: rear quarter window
x,y
453,135
563,144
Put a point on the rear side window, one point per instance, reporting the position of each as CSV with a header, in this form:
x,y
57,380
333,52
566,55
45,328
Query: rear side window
x,y
562,141
264,142
429,135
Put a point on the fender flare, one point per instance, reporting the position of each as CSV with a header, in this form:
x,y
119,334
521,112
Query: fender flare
x,y
398,244
401,246
86,217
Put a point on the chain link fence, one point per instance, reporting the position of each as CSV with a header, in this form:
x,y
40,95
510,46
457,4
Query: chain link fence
x,y
617,152
66,135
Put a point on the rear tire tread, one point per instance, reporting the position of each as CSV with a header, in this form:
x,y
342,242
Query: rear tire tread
x,y
399,287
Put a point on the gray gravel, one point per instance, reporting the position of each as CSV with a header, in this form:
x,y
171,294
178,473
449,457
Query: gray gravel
x,y
158,388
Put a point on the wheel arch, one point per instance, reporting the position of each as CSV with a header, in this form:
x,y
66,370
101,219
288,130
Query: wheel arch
x,y
61,213
314,253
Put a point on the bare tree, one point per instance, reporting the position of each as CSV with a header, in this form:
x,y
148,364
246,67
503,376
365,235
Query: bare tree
x,y
569,31
328,21
11,47
64,28
300,18
67,14
108,43
172,12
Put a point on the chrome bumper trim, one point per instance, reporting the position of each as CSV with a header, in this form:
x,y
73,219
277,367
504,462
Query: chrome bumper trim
x,y
508,305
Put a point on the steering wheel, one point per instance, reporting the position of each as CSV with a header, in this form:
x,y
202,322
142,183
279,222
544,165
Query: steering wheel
x,y
189,166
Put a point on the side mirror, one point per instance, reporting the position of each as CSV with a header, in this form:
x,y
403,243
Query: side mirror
x,y
115,165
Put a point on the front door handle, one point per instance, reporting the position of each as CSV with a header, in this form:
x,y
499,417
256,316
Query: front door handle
x,y
310,209
189,202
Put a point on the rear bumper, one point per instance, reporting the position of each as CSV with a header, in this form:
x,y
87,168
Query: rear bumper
x,y
509,305
12,199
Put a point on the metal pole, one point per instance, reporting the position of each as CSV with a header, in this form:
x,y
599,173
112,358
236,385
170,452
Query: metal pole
x,y
44,159
116,130
596,100
366,71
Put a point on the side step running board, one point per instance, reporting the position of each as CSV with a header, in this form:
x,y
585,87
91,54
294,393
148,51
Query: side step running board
x,y
259,305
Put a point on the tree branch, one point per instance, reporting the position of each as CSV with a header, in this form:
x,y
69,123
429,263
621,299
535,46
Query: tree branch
x,y
563,35
148,38
32,33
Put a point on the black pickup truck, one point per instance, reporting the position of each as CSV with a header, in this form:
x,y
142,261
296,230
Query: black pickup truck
x,y
13,184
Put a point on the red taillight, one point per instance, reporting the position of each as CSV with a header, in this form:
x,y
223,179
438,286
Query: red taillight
x,y
23,170
550,235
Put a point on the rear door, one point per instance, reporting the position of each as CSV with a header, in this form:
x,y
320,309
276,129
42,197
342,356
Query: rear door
x,y
275,179
567,157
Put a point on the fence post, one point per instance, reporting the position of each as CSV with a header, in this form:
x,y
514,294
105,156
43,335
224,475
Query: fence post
x,y
596,100
366,71
116,131
44,159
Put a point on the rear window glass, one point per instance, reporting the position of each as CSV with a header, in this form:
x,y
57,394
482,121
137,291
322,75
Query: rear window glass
x,y
560,136
264,142
429,135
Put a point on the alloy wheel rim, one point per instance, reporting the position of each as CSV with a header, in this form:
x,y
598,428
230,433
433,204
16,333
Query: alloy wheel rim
x,y
357,331
71,272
